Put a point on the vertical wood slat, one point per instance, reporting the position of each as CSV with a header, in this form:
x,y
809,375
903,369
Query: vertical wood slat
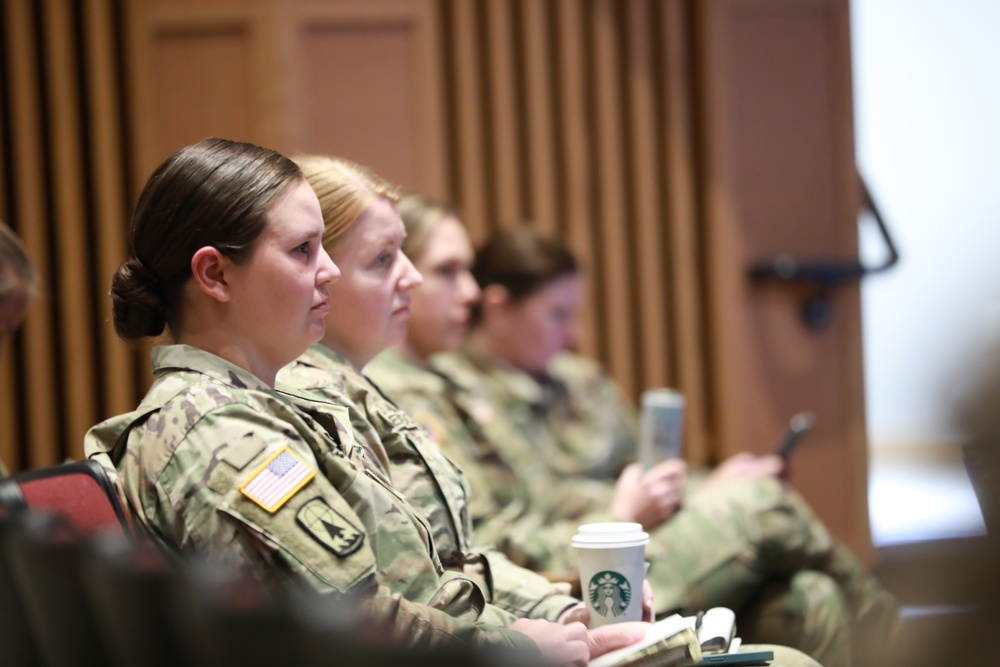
x,y
651,270
470,160
43,407
688,347
574,128
112,247
501,102
540,156
76,339
617,310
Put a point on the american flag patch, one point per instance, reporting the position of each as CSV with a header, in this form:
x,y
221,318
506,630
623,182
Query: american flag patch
x,y
277,480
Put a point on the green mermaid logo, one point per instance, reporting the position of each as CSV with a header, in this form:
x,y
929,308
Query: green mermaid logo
x,y
609,593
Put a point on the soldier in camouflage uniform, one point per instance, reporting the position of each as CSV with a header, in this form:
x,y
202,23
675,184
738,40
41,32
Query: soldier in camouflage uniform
x,y
18,281
431,483
227,254
773,560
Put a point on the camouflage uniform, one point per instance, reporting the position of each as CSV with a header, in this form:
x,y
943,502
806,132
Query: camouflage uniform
x,y
195,461
765,555
428,479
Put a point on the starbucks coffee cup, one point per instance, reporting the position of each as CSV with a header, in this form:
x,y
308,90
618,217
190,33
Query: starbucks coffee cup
x,y
612,560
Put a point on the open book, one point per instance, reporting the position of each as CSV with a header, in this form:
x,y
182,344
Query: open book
x,y
676,642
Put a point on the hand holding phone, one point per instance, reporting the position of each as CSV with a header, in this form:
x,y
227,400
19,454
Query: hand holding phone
x,y
799,425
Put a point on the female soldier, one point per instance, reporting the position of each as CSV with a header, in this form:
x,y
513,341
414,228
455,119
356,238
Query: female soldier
x,y
228,256
375,287
17,282
501,408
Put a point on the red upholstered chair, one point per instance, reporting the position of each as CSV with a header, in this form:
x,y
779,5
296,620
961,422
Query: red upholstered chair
x,y
80,492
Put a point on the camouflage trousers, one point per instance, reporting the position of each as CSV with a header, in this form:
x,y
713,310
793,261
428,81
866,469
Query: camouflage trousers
x,y
755,546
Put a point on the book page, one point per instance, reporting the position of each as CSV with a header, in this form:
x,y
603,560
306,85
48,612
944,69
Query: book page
x,y
667,627
718,626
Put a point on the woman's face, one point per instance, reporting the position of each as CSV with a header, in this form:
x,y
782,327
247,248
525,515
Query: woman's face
x,y
369,306
542,325
279,296
440,306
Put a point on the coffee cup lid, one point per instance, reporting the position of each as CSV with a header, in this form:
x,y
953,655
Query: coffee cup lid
x,y
610,535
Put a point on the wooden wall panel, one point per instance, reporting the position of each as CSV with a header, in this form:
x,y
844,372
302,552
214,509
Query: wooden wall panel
x,y
40,434
74,304
200,69
368,86
111,199
688,360
467,136
780,178
64,154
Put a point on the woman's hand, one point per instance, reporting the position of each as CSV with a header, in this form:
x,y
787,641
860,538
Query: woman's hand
x,y
578,613
614,636
652,497
560,644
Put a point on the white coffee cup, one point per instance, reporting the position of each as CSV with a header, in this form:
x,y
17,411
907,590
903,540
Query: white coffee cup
x,y
612,560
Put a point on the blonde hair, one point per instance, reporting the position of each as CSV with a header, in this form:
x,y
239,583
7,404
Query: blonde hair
x,y
12,254
344,189
421,215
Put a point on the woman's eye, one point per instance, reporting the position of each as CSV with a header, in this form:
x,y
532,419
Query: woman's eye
x,y
302,247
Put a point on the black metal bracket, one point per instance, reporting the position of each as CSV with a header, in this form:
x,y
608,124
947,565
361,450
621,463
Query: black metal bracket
x,y
825,276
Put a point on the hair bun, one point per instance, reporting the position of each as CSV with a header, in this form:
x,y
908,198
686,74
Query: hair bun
x,y
137,302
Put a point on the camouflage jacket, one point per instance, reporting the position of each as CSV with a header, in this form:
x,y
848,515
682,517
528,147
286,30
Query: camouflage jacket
x,y
214,461
428,479
528,510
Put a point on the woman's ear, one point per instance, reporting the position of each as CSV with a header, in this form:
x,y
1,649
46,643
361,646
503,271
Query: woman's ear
x,y
208,267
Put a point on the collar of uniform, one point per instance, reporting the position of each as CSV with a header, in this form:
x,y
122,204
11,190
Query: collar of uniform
x,y
321,356
395,372
319,368
168,358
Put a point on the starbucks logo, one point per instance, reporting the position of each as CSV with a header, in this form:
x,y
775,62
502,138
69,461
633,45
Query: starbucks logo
x,y
609,593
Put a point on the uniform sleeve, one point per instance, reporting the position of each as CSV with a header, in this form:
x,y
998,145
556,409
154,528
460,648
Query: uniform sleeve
x,y
522,592
245,487
420,625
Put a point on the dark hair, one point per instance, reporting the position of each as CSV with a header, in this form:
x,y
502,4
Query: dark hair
x,y
522,261
212,193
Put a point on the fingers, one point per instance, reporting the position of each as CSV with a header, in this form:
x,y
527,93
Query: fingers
x,y
560,644
617,635
575,614
648,614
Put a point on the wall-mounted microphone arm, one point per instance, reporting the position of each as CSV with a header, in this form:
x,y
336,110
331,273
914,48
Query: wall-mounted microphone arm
x,y
826,274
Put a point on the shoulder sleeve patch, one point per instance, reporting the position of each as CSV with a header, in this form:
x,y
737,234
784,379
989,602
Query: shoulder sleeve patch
x,y
279,478
329,527
242,451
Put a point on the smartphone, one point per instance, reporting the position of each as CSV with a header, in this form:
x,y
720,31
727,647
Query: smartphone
x,y
747,658
798,426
